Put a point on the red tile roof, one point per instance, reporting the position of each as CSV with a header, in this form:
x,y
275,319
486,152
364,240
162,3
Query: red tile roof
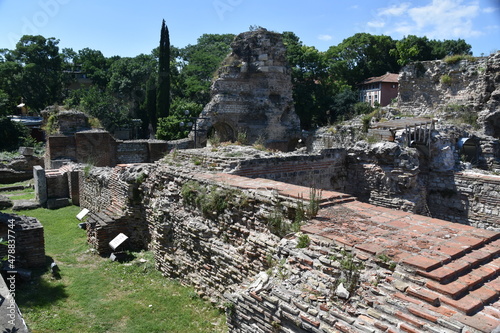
x,y
388,77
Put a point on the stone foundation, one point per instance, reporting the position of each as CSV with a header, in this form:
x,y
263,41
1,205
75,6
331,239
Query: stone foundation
x,y
26,233
401,272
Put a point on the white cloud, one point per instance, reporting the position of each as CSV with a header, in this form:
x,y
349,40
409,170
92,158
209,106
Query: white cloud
x,y
396,10
445,18
376,24
489,10
439,19
325,37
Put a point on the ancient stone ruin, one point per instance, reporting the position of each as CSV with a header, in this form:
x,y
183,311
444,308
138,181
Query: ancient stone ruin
x,y
29,240
403,239
252,95
431,87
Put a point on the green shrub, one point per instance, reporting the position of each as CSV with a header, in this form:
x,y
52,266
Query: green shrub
x,y
242,138
303,241
351,269
366,120
445,79
276,222
462,114
453,59
362,108
12,134
314,202
52,125
211,201
214,140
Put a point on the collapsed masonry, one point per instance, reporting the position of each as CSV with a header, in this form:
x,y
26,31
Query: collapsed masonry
x,y
252,95
207,216
27,235
213,230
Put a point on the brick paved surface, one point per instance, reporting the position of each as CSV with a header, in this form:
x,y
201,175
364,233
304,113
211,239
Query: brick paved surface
x,y
452,270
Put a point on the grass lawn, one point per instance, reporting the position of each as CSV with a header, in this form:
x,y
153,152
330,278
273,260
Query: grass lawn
x,y
95,294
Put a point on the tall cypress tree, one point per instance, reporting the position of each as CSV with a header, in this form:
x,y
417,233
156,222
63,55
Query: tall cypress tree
x,y
163,93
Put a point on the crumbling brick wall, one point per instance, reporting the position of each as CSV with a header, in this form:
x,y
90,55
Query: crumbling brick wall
x,y
115,203
27,236
467,198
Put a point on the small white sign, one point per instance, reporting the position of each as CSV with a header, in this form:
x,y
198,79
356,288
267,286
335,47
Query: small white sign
x,y
118,240
82,214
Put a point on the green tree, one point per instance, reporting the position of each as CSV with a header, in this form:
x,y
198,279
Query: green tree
x,y
12,134
170,128
198,64
11,86
109,109
148,115
128,77
441,49
412,48
94,65
42,70
312,86
163,93
362,56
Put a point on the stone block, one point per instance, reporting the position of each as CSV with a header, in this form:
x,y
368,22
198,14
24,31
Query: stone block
x,y
5,202
57,203
25,205
40,185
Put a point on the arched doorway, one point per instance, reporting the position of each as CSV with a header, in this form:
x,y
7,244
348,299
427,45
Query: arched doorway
x,y
223,131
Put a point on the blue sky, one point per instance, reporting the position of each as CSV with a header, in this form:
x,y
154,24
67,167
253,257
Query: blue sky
x,y
128,28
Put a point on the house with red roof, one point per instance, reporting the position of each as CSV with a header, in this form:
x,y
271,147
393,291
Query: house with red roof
x,y
379,89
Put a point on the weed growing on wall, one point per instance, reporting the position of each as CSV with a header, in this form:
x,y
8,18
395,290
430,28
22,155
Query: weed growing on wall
x,y
445,79
300,216
276,221
314,202
453,59
303,241
462,114
351,270
212,201
87,169
242,138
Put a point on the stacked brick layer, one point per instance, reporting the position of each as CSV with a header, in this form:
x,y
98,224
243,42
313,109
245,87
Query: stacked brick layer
x,y
420,273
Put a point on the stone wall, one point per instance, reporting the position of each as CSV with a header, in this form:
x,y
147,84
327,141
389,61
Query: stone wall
x,y
383,174
115,203
252,94
27,233
218,233
326,170
99,148
212,250
436,88
422,88
19,169
467,198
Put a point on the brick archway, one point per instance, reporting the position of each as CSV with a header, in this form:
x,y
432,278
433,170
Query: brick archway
x,y
224,131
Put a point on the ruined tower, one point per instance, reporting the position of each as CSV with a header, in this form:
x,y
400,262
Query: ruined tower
x,y
252,95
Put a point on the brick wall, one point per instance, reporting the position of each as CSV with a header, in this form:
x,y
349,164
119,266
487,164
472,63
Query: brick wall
x,y
132,151
29,240
60,147
326,170
99,148
114,201
465,198
268,284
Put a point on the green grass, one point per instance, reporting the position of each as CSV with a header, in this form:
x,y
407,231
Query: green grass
x,y
95,294
24,194
23,183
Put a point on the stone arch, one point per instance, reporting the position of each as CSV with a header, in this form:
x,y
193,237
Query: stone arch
x,y
223,130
